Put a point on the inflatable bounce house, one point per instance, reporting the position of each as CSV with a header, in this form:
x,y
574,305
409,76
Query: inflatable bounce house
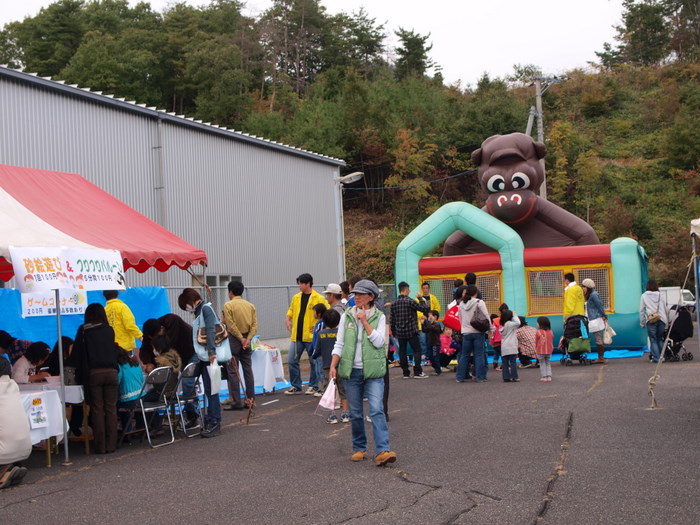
x,y
520,246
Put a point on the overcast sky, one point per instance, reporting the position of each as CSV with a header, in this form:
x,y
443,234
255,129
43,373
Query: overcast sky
x,y
469,37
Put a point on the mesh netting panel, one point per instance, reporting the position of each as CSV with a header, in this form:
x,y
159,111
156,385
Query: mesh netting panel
x,y
490,287
601,278
546,292
442,289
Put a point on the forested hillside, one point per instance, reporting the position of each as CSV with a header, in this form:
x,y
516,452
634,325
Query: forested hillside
x,y
622,136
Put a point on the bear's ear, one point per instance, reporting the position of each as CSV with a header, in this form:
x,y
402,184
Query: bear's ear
x,y
476,157
540,149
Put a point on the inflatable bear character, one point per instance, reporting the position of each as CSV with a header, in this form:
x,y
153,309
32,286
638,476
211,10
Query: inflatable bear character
x,y
510,171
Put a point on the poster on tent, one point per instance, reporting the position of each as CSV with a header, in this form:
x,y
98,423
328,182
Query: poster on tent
x,y
78,269
37,304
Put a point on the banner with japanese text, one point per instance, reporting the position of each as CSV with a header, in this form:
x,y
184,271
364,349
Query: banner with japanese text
x,y
79,269
44,303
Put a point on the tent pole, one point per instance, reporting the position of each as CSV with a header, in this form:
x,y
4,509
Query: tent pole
x,y
63,386
697,283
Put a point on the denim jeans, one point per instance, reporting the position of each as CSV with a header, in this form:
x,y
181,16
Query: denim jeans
x,y
188,386
472,343
510,367
424,348
296,350
357,388
317,364
435,358
213,403
656,338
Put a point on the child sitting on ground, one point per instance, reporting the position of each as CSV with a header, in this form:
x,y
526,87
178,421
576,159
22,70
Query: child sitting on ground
x,y
545,345
432,329
509,345
324,347
448,347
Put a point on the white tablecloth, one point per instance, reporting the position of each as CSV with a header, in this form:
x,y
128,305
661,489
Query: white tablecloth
x,y
52,405
74,393
267,368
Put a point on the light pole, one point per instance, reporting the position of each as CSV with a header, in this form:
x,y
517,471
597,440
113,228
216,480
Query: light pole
x,y
339,221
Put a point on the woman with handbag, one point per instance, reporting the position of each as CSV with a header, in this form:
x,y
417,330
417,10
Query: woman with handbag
x,y
475,323
596,317
206,319
653,315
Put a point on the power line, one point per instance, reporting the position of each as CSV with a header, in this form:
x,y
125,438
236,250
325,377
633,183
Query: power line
x,y
460,174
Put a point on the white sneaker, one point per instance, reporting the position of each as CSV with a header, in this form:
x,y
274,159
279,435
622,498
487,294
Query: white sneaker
x,y
422,375
310,391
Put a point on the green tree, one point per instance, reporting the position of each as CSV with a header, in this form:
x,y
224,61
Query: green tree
x,y
45,43
412,54
645,35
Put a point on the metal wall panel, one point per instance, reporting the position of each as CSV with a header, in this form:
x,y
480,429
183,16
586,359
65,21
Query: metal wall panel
x,y
267,214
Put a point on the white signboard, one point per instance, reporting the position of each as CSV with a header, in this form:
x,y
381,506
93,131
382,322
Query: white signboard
x,y
79,269
44,303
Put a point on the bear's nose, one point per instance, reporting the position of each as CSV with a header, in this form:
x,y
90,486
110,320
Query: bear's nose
x,y
517,198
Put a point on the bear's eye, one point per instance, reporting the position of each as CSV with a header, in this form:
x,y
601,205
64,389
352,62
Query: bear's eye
x,y
496,183
520,180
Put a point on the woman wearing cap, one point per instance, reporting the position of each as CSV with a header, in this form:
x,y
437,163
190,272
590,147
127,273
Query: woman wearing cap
x,y
596,316
360,360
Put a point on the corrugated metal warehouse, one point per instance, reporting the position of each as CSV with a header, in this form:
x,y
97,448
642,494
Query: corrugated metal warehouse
x,y
262,211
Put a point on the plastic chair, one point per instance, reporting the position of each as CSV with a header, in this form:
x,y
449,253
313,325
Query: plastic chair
x,y
180,400
158,380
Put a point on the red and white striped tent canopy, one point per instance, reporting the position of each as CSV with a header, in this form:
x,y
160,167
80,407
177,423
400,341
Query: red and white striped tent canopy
x,y
40,208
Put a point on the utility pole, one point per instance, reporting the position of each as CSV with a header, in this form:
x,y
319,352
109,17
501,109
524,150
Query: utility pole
x,y
541,85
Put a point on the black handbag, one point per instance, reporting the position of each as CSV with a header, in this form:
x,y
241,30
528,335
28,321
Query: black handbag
x,y
478,321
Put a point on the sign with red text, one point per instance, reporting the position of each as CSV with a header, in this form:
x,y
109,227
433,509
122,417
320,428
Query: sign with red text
x,y
79,269
44,303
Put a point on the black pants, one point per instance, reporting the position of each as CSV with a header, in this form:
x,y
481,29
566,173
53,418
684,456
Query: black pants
x,y
244,356
403,358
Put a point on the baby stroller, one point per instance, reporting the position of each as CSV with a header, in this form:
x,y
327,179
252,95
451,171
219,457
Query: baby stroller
x,y
681,329
573,344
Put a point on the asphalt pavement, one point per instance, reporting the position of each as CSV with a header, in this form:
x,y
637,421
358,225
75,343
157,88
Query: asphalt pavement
x,y
583,449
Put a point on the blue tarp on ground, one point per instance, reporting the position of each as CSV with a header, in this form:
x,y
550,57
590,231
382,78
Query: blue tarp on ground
x,y
145,302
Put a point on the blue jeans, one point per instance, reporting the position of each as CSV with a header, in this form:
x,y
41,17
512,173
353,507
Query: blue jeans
x,y
213,403
357,388
296,350
656,339
472,343
510,367
423,340
188,386
317,364
435,358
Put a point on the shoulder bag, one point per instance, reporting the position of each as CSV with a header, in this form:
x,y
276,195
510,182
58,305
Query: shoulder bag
x,y
655,317
479,321
223,349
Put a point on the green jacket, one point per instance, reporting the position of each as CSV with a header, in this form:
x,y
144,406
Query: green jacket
x,y
373,359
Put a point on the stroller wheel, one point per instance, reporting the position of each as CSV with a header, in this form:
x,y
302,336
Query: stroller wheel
x,y
690,356
563,360
684,357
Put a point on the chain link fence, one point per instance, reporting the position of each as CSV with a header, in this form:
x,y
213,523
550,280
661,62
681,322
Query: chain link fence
x,y
271,304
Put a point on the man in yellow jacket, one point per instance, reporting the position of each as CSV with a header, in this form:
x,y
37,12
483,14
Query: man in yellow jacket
x,y
122,321
574,303
300,322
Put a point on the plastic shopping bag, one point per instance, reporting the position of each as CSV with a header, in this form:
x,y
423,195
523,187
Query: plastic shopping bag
x,y
214,371
327,403
608,334
452,318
